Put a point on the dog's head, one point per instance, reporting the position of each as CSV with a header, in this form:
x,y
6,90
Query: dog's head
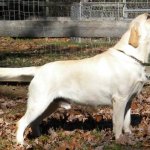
x,y
140,30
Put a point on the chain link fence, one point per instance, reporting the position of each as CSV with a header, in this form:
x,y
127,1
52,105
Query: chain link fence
x,y
108,10
76,9
34,9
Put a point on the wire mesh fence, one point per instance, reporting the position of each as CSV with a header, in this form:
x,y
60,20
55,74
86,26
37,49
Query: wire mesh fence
x,y
29,52
84,9
34,9
133,9
96,10
73,9
109,10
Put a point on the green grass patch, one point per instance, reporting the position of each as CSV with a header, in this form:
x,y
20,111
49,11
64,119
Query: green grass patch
x,y
29,52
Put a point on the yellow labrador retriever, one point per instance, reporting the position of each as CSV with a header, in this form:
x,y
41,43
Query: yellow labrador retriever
x,y
111,78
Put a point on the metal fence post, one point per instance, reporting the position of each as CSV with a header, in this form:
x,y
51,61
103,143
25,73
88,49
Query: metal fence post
x,y
118,12
80,10
125,13
47,8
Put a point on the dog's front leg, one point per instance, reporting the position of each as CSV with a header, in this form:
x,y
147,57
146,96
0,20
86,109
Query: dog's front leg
x,y
127,114
127,122
119,105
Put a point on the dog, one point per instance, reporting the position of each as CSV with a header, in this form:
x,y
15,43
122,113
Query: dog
x,y
111,78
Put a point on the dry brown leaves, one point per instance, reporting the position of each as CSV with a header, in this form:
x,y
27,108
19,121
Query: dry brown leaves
x,y
19,45
75,129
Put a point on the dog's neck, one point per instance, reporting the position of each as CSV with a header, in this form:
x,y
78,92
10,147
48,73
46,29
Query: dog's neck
x,y
141,52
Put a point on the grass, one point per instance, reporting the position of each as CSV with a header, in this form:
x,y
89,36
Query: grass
x,y
27,52
115,146
40,60
13,91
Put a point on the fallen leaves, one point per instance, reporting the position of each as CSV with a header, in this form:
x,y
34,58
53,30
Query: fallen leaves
x,y
1,112
78,128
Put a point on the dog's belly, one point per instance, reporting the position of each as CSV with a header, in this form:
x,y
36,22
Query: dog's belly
x,y
95,101
87,96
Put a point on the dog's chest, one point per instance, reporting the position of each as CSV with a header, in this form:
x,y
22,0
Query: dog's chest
x,y
142,79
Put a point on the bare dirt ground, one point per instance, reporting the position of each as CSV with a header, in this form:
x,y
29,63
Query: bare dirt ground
x,y
77,129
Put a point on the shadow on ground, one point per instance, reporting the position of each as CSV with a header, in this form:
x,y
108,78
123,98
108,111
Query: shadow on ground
x,y
88,125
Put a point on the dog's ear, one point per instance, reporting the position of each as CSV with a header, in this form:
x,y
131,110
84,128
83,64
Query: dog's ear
x,y
134,36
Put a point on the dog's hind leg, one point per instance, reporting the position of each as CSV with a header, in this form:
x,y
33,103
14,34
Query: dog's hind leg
x,y
35,124
34,112
59,102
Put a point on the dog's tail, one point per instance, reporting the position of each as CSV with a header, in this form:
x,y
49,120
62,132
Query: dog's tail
x,y
18,74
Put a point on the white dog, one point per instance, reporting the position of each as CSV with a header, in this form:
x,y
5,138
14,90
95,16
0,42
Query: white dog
x,y
111,78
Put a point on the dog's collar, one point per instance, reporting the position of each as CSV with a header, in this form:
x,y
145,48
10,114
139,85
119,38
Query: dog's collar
x,y
139,61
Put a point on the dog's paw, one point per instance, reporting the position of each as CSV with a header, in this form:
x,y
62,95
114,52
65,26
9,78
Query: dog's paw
x,y
23,146
126,138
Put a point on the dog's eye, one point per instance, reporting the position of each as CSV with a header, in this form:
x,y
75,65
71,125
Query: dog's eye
x,y
148,16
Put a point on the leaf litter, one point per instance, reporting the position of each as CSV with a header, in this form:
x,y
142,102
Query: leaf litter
x,y
75,129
